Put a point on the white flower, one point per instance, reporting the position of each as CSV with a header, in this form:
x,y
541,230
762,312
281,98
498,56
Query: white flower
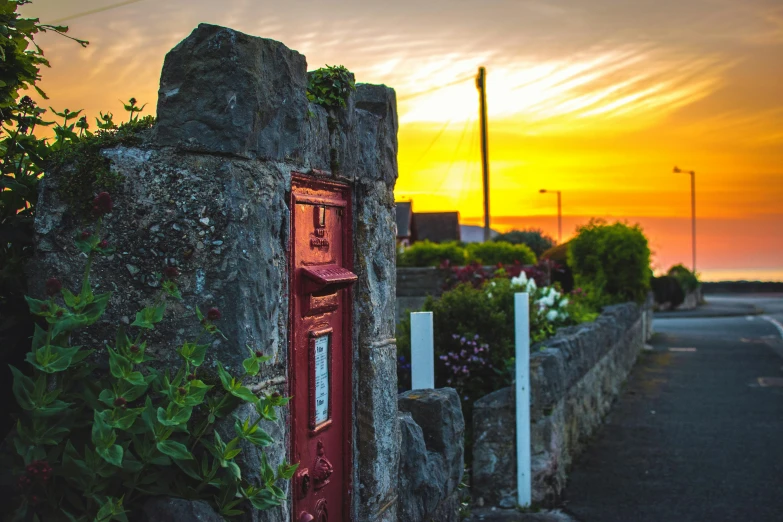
x,y
563,316
551,315
489,294
531,286
564,302
520,280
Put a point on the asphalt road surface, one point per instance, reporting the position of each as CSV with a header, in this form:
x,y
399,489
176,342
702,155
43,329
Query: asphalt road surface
x,y
697,433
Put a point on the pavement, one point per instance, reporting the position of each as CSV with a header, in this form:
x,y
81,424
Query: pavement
x,y
697,433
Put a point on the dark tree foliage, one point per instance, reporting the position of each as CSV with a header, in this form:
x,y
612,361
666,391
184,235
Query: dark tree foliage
x,y
535,238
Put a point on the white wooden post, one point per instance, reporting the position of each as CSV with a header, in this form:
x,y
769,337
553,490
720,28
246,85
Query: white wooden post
x,y
422,351
522,359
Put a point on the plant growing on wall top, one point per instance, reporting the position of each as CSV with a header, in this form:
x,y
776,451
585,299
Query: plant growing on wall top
x,y
330,86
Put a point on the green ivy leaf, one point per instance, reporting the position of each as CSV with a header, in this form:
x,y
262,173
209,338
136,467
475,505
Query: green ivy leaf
x,y
174,449
225,378
39,337
118,365
251,365
23,388
260,438
123,419
149,316
173,415
193,353
196,393
52,359
37,307
285,471
171,289
111,454
102,434
244,393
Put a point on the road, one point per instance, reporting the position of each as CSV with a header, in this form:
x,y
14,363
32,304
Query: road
x,y
697,434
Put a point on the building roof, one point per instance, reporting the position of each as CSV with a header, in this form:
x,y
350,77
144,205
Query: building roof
x,y
437,227
404,218
475,234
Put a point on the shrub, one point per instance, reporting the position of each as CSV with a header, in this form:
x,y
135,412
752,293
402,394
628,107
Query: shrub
x,y
426,253
532,237
560,272
688,280
668,291
611,262
493,253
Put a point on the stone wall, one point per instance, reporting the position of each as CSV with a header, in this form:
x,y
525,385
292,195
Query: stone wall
x,y
208,192
414,284
432,431
575,376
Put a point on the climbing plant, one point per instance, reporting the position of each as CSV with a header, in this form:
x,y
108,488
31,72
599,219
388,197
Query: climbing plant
x,y
24,155
93,443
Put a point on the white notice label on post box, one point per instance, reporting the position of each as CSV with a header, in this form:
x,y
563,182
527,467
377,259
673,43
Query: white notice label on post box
x,y
321,379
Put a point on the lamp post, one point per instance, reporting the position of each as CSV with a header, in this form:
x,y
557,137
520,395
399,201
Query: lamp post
x,y
678,170
559,214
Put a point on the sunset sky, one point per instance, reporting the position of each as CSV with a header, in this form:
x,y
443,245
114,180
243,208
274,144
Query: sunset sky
x,y
597,98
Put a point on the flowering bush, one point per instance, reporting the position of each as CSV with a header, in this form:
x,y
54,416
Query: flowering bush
x,y
92,444
477,275
467,364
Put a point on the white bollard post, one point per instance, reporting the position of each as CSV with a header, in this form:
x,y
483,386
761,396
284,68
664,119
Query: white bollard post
x,y
422,351
522,359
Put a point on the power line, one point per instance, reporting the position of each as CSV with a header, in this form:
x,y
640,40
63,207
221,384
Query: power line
x,y
453,157
438,135
437,88
94,11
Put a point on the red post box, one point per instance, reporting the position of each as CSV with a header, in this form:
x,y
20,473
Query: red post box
x,y
321,349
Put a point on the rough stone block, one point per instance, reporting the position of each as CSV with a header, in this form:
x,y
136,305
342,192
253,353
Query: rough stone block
x,y
166,509
226,92
494,462
439,413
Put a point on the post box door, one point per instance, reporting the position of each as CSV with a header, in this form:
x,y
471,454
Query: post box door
x,y
321,341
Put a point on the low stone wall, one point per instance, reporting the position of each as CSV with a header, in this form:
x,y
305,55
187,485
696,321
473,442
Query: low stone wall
x,y
742,287
575,377
432,431
414,284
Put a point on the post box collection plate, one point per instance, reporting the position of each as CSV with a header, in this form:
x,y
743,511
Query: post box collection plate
x,y
321,340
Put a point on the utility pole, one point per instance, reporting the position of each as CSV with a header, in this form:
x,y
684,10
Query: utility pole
x,y
481,84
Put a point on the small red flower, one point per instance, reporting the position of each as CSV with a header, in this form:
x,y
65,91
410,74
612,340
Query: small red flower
x,y
59,313
120,402
102,204
86,234
170,272
182,391
103,244
191,376
214,314
276,395
259,354
53,286
134,348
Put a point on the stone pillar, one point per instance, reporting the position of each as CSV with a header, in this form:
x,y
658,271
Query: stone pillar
x,y
206,190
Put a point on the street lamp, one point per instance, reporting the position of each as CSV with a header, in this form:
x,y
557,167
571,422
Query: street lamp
x,y
559,214
678,170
